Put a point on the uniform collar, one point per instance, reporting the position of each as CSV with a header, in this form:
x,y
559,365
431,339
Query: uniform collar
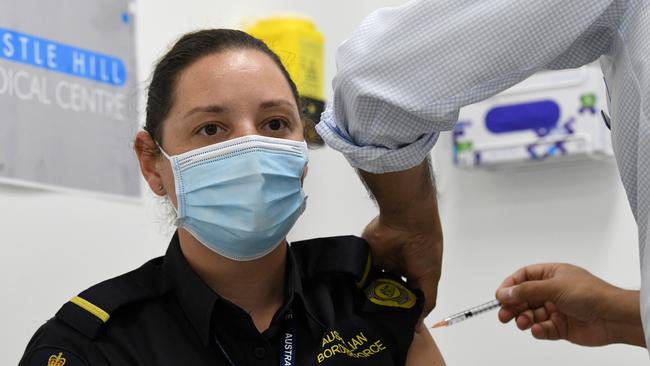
x,y
294,285
195,297
199,301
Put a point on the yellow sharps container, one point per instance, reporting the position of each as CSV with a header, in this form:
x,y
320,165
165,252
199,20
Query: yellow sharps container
x,y
300,47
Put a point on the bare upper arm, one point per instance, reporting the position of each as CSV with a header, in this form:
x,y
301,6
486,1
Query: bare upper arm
x,y
423,349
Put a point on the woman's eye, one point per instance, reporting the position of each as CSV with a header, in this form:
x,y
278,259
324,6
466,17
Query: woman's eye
x,y
277,124
209,130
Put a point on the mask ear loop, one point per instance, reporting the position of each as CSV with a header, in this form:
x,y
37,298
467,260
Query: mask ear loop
x,y
162,151
169,158
303,206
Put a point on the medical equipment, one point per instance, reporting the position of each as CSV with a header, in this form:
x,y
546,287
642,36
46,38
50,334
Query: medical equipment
x,y
469,313
551,116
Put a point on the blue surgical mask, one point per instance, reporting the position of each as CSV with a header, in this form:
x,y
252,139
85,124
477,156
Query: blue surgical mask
x,y
240,197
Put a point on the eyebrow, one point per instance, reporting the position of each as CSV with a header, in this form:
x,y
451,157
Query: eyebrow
x,y
275,103
215,108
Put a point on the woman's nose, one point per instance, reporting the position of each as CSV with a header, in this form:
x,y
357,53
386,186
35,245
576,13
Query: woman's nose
x,y
244,128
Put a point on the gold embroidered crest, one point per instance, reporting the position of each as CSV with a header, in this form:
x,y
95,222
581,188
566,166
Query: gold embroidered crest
x,y
386,292
56,360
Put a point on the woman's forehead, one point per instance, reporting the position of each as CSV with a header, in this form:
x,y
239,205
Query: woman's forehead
x,y
233,74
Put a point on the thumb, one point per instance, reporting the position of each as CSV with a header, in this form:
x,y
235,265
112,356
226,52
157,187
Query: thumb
x,y
534,293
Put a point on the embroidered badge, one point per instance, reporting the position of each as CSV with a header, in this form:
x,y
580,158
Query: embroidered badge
x,y
386,292
54,356
56,360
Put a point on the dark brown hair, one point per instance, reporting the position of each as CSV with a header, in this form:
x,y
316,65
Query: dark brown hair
x,y
190,48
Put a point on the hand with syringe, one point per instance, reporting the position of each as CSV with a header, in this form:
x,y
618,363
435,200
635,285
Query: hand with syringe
x,y
562,301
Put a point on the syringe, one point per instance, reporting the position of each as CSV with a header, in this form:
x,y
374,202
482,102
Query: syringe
x,y
469,313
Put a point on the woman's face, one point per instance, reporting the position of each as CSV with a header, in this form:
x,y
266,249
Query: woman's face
x,y
222,96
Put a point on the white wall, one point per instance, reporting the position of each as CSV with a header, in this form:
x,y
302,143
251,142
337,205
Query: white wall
x,y
55,245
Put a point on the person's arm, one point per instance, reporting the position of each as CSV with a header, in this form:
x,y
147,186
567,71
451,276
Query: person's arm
x,y
423,350
406,71
562,301
406,237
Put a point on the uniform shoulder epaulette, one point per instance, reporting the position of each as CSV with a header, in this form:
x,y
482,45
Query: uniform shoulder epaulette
x,y
338,254
92,308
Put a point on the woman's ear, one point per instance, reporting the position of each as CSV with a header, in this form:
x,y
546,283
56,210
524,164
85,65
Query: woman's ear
x,y
148,155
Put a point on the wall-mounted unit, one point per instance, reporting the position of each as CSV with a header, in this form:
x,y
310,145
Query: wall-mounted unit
x,y
553,116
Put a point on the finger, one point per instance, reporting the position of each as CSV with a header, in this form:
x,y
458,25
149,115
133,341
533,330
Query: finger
x,y
550,307
561,324
537,331
506,313
533,293
540,315
529,317
429,286
508,282
525,320
529,273
545,330
504,295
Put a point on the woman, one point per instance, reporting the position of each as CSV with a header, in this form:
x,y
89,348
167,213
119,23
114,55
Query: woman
x,y
224,141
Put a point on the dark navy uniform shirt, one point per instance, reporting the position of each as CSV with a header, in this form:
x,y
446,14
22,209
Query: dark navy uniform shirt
x,y
337,311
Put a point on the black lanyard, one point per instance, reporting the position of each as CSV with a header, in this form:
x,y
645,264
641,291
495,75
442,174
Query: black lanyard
x,y
287,350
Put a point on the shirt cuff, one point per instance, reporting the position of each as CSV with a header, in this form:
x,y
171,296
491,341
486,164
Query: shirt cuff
x,y
374,159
